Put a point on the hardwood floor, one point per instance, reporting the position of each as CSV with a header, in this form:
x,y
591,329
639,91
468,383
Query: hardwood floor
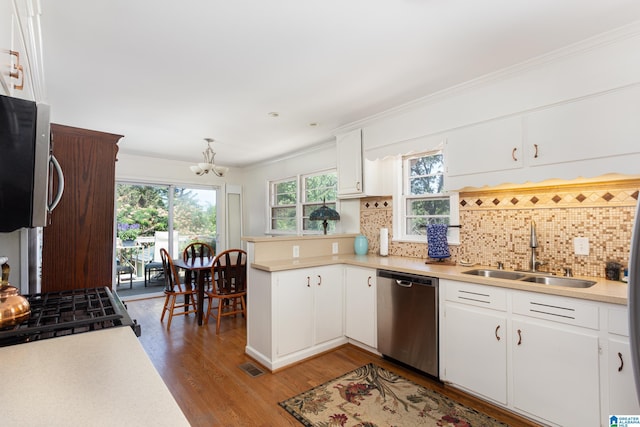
x,y
202,372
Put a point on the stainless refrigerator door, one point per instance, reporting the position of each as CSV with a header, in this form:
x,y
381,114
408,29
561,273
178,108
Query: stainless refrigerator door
x,y
634,300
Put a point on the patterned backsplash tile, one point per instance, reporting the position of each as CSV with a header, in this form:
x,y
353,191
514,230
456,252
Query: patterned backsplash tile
x,y
496,226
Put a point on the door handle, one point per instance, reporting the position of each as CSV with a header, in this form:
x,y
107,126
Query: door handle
x,y
404,283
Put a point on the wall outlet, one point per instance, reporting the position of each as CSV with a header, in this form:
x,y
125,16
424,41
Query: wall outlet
x,y
581,245
334,248
296,251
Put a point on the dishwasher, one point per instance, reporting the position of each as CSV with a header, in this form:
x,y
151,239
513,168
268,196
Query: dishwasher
x,y
408,319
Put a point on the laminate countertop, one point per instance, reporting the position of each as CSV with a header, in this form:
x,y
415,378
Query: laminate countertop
x,y
99,378
603,291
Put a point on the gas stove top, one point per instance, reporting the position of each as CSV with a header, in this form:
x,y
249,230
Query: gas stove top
x,y
55,314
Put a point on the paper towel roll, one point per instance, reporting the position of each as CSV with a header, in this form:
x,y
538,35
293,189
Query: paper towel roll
x,y
384,241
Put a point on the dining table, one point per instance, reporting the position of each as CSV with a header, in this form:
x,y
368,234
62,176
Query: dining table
x,y
198,266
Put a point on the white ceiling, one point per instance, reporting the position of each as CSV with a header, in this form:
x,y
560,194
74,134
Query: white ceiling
x,y
168,74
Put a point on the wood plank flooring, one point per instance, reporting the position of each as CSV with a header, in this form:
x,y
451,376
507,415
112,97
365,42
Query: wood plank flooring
x,y
203,373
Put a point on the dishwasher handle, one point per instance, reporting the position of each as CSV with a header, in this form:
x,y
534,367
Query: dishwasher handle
x,y
404,283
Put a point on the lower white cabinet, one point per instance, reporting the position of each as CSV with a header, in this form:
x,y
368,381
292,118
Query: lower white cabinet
x,y
555,373
476,350
360,305
620,395
308,308
538,355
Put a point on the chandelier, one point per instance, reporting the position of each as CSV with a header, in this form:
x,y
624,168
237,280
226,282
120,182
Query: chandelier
x,y
208,165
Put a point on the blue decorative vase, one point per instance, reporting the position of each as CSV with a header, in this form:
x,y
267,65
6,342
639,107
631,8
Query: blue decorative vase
x,y
361,245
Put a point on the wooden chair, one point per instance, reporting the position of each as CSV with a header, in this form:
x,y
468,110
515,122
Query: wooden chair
x,y
199,250
229,285
174,289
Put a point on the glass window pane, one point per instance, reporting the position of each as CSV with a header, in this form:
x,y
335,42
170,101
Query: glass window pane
x,y
285,193
426,185
320,187
426,165
427,207
194,216
418,226
283,219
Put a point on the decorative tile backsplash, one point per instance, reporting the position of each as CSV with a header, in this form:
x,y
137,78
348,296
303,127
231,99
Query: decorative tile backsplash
x,y
496,226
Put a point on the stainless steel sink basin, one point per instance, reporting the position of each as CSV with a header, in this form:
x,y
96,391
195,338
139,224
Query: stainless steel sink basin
x,y
497,274
560,281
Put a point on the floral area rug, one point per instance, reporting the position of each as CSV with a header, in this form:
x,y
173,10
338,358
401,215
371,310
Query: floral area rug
x,y
372,396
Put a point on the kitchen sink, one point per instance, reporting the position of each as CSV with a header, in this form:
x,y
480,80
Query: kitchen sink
x,y
497,274
560,281
523,277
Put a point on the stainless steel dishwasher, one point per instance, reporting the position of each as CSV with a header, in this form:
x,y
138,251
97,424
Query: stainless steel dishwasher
x,y
408,319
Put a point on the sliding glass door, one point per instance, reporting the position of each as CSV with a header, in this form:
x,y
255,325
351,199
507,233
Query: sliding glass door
x,y
150,217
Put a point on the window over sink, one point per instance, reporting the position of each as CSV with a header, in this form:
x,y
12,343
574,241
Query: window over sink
x,y
421,199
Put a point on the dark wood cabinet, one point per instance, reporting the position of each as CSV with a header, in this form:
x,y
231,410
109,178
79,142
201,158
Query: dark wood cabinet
x,y
77,246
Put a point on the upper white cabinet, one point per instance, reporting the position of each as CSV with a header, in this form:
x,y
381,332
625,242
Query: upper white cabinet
x,y
21,50
594,127
485,147
349,164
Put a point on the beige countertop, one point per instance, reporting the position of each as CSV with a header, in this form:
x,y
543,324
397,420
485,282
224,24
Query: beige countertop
x,y
99,378
603,291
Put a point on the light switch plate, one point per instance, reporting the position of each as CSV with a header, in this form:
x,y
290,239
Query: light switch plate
x,y
334,248
296,251
581,245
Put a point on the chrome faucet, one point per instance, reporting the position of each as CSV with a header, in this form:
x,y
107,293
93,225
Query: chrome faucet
x,y
533,244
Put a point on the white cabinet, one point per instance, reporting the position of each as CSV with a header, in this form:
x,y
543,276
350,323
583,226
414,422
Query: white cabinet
x,y
308,308
620,397
349,164
473,339
534,354
486,147
555,353
360,305
555,373
599,126
6,25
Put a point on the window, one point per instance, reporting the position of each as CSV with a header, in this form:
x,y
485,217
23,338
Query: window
x,y
423,198
289,209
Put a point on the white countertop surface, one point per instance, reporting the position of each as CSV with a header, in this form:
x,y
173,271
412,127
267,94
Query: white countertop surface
x,y
603,291
100,378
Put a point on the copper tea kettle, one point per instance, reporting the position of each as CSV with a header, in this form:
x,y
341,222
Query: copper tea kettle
x,y
14,308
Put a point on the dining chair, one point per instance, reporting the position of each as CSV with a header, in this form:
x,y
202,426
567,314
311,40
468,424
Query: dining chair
x,y
199,250
229,285
174,289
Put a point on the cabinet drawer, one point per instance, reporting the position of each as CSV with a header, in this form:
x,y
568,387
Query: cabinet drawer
x,y
558,309
618,321
477,295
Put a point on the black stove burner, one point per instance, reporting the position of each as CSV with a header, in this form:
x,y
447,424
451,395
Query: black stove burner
x,y
55,314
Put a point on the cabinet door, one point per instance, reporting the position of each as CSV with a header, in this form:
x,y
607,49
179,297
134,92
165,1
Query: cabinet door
x,y
486,147
360,309
622,389
555,373
600,126
475,350
328,302
349,163
293,311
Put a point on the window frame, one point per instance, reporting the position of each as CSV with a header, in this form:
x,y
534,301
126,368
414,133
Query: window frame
x,y
402,197
301,202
